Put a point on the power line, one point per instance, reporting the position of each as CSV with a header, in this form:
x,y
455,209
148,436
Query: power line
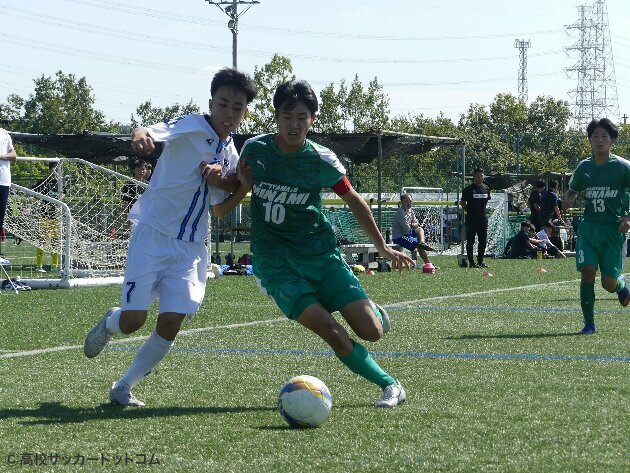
x,y
189,19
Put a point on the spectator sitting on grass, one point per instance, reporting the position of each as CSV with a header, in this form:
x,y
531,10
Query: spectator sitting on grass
x,y
523,245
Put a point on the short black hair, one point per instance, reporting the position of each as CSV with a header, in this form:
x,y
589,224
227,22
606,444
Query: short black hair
x,y
289,93
604,123
137,163
238,80
526,224
553,184
540,183
477,170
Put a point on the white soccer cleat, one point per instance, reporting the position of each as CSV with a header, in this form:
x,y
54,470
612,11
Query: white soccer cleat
x,y
393,395
122,395
385,317
99,336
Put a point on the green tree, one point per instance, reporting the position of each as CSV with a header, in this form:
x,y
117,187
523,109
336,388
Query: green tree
x,y
11,112
147,114
366,110
622,147
261,115
484,147
332,115
430,169
60,104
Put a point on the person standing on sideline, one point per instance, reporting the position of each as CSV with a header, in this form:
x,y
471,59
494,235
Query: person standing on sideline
x,y
474,200
296,258
7,155
550,212
167,257
605,180
407,232
535,204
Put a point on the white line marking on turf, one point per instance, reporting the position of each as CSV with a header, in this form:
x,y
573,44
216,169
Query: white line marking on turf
x,y
135,339
479,293
260,322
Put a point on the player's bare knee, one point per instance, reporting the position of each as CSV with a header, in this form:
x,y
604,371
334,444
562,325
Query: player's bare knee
x,y
132,320
338,339
609,284
371,333
168,326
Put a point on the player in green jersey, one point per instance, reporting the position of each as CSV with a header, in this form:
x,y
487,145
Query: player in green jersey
x,y
605,180
296,258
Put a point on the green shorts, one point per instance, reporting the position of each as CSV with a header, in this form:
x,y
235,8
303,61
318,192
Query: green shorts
x,y
295,284
601,244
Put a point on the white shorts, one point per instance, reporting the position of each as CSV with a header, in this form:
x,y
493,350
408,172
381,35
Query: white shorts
x,y
160,266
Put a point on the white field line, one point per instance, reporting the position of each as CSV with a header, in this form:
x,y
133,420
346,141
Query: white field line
x,y
122,341
480,293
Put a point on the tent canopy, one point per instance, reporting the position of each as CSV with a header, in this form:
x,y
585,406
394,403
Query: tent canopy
x,y
103,148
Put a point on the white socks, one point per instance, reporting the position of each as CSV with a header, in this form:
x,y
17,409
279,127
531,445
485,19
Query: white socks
x,y
150,354
112,323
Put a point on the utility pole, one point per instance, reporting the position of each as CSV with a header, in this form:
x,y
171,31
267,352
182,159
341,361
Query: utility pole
x,y
522,46
231,10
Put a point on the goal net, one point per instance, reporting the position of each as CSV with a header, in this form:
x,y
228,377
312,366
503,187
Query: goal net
x,y
432,217
78,212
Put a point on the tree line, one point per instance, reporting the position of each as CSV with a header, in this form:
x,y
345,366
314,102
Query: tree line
x,y
505,136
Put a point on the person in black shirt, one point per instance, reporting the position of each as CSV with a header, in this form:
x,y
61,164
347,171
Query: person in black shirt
x,y
535,203
523,243
130,192
474,200
550,211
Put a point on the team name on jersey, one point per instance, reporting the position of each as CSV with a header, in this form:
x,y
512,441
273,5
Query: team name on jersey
x,y
480,196
280,194
600,192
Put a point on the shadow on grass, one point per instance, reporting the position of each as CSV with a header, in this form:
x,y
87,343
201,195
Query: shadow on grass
x,y
513,336
336,407
57,413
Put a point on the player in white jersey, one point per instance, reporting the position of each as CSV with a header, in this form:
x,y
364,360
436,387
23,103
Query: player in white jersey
x,y
167,257
7,154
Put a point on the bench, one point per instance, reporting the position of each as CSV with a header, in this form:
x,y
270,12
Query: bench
x,y
366,254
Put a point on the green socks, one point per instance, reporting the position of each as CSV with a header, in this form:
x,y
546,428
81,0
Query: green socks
x,y
621,283
360,362
587,301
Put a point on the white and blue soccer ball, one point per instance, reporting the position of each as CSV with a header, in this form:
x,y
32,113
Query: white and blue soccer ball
x,y
304,401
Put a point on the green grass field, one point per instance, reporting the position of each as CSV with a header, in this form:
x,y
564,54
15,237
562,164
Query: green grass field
x,y
496,377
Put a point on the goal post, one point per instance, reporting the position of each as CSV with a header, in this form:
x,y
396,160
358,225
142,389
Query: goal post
x,y
77,212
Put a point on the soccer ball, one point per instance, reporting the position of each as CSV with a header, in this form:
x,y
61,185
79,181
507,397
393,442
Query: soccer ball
x,y
304,401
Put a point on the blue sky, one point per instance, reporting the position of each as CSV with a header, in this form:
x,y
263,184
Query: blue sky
x,y
431,57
